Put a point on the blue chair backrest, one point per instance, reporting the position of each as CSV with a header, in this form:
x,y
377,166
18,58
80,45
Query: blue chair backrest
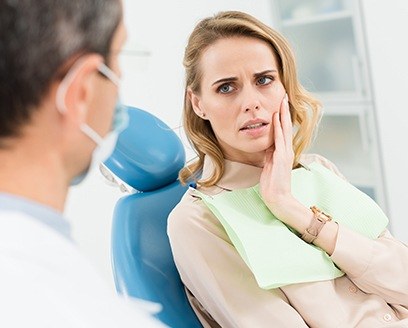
x,y
148,157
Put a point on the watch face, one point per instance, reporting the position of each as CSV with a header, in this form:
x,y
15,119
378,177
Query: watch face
x,y
319,220
320,215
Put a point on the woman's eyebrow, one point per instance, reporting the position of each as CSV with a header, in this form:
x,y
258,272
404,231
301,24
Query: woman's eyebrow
x,y
226,79
265,72
233,78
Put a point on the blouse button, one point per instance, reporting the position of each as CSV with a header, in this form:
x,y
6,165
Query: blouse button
x,y
353,289
387,317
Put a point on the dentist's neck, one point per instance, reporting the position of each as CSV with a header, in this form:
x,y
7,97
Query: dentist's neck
x,y
33,172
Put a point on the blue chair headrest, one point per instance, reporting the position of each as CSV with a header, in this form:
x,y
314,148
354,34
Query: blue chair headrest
x,y
148,154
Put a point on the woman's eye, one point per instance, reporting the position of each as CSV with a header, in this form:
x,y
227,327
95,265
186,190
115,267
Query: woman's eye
x,y
264,80
225,88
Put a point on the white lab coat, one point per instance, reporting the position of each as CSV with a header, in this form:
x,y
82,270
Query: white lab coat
x,y
46,282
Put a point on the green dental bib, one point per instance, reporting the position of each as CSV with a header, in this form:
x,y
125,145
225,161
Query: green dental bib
x,y
275,253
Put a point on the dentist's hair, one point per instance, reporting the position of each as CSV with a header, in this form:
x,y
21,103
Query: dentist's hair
x,y
304,109
38,42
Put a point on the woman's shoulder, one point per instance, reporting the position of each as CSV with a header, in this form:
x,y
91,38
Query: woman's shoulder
x,y
316,158
189,206
192,215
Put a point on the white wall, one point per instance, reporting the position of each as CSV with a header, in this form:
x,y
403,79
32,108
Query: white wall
x,y
154,83
386,24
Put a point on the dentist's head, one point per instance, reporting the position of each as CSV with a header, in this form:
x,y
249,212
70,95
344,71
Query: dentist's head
x,y
59,78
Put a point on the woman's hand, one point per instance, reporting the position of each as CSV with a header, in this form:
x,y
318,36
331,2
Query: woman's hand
x,y
275,181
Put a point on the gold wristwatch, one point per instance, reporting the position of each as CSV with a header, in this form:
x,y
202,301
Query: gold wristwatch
x,y
319,220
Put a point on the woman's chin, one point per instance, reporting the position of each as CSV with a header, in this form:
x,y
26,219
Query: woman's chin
x,y
258,147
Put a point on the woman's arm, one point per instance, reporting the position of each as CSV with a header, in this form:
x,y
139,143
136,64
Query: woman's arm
x,y
275,182
214,272
376,266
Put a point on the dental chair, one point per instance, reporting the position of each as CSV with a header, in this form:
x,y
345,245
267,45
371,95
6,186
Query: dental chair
x,y
147,159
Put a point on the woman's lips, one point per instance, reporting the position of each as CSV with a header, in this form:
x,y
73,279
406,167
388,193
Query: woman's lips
x,y
255,130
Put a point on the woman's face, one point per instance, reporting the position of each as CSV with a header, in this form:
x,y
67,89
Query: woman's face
x,y
240,91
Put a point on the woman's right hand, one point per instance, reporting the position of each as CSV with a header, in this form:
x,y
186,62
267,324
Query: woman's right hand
x,y
275,181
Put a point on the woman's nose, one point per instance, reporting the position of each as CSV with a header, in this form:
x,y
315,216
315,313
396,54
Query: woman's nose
x,y
250,100
249,108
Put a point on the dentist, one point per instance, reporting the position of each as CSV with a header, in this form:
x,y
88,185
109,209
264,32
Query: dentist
x,y
59,78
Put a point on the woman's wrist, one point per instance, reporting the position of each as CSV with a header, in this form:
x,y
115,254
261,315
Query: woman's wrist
x,y
327,238
294,214
291,212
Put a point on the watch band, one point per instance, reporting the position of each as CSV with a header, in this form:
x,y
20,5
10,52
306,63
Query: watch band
x,y
319,220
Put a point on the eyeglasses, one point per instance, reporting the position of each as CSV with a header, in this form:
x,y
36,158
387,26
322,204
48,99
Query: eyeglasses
x,y
105,71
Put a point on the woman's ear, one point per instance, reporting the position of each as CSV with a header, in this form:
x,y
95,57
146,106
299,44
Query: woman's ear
x,y
196,103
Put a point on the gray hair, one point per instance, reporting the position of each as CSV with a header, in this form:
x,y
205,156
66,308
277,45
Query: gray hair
x,y
37,37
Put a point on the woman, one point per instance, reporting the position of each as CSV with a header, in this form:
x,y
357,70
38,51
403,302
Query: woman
x,y
242,95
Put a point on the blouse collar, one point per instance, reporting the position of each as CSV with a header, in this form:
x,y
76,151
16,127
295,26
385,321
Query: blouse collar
x,y
236,175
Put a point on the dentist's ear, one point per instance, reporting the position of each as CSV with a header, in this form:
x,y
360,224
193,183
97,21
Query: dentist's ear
x,y
76,89
196,104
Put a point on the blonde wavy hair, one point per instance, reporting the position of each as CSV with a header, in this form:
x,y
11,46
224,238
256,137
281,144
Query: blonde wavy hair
x,y
304,109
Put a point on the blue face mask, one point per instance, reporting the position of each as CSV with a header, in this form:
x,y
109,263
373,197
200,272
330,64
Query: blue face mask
x,y
120,120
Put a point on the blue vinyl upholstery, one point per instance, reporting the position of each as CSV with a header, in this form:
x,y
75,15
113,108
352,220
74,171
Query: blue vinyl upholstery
x,y
148,157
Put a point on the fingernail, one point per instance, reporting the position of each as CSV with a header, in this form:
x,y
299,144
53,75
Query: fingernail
x,y
286,97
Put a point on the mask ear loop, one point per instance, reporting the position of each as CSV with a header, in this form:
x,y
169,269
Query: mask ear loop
x,y
91,134
62,93
105,70
66,81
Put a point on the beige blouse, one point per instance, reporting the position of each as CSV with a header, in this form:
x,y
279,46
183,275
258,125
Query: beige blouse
x,y
223,291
